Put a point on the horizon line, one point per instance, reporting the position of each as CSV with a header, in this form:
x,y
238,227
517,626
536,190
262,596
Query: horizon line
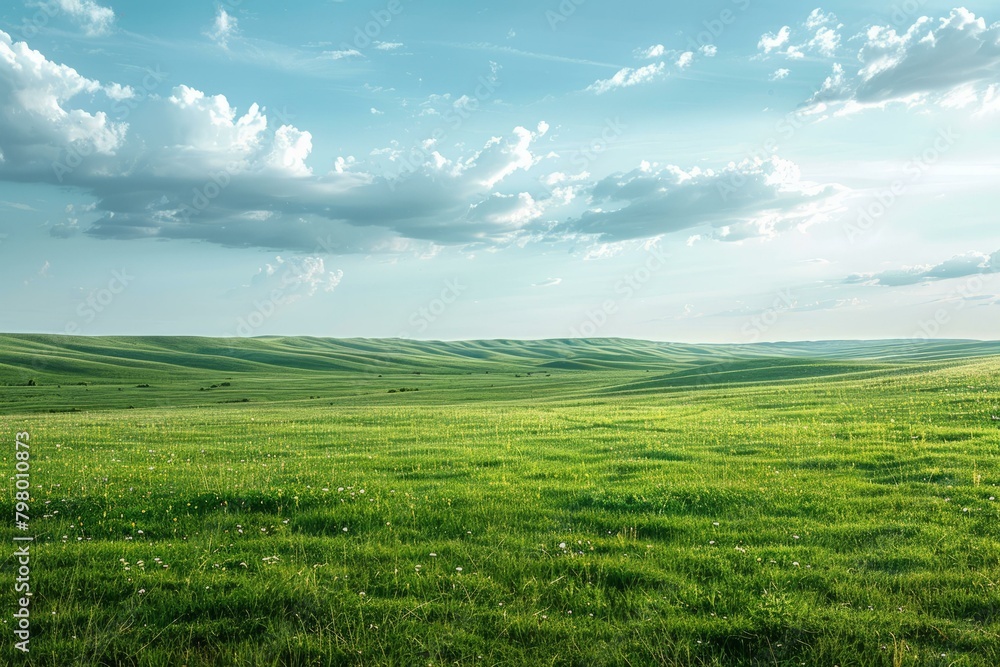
x,y
910,340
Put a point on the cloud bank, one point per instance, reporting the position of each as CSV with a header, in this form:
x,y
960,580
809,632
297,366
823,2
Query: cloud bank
x,y
960,266
190,165
952,61
755,198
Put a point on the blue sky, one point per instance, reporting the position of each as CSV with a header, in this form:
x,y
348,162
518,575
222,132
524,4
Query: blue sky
x,y
724,171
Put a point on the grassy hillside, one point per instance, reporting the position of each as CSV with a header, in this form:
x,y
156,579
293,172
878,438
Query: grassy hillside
x,y
76,373
280,501
124,357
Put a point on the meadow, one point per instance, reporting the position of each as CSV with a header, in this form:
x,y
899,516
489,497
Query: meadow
x,y
295,501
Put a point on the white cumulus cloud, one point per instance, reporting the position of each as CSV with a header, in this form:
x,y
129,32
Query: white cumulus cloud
x,y
826,41
35,115
755,198
627,77
655,51
772,41
823,38
95,19
933,61
296,277
819,18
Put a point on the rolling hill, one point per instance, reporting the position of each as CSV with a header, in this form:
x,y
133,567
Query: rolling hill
x,y
60,357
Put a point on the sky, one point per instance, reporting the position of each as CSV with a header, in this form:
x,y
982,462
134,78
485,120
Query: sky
x,y
723,171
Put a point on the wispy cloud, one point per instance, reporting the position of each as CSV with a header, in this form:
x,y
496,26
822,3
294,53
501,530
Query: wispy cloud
x,y
224,28
495,48
95,19
959,266
343,53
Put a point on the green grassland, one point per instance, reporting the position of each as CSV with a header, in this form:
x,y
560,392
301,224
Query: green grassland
x,y
280,501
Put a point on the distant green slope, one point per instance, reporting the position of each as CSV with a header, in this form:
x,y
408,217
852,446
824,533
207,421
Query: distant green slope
x,y
63,357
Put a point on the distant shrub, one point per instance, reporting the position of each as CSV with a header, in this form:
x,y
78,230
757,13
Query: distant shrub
x,y
32,383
